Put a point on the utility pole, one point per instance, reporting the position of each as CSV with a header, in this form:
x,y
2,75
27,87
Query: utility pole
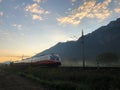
x,y
22,56
83,50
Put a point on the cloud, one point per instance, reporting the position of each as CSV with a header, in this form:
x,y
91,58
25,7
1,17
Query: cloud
x,y
66,20
36,17
34,8
1,13
117,6
18,26
36,11
117,2
117,10
77,14
100,11
37,1
88,9
73,1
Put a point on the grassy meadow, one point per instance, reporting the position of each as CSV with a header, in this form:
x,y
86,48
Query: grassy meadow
x,y
71,78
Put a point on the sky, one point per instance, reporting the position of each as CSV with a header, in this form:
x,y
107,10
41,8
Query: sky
x,y
28,27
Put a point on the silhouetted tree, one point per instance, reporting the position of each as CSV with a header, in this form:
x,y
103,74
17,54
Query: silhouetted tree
x,y
107,58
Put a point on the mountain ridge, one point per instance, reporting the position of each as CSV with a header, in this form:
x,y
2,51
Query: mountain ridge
x,y
104,39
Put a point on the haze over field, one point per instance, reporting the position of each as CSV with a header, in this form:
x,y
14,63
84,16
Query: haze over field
x,y
28,27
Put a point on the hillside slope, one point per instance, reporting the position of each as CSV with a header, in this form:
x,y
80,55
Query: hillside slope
x,y
104,39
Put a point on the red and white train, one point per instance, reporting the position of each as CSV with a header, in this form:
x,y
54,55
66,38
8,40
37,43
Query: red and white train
x,y
43,60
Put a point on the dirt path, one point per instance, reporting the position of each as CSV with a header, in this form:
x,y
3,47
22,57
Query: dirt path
x,y
13,82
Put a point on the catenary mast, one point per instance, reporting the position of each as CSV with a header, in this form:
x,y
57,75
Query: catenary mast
x,y
83,49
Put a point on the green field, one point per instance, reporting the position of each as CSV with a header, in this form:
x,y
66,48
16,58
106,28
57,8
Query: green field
x,y
71,78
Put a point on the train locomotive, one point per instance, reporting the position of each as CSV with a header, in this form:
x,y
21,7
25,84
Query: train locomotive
x,y
42,60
